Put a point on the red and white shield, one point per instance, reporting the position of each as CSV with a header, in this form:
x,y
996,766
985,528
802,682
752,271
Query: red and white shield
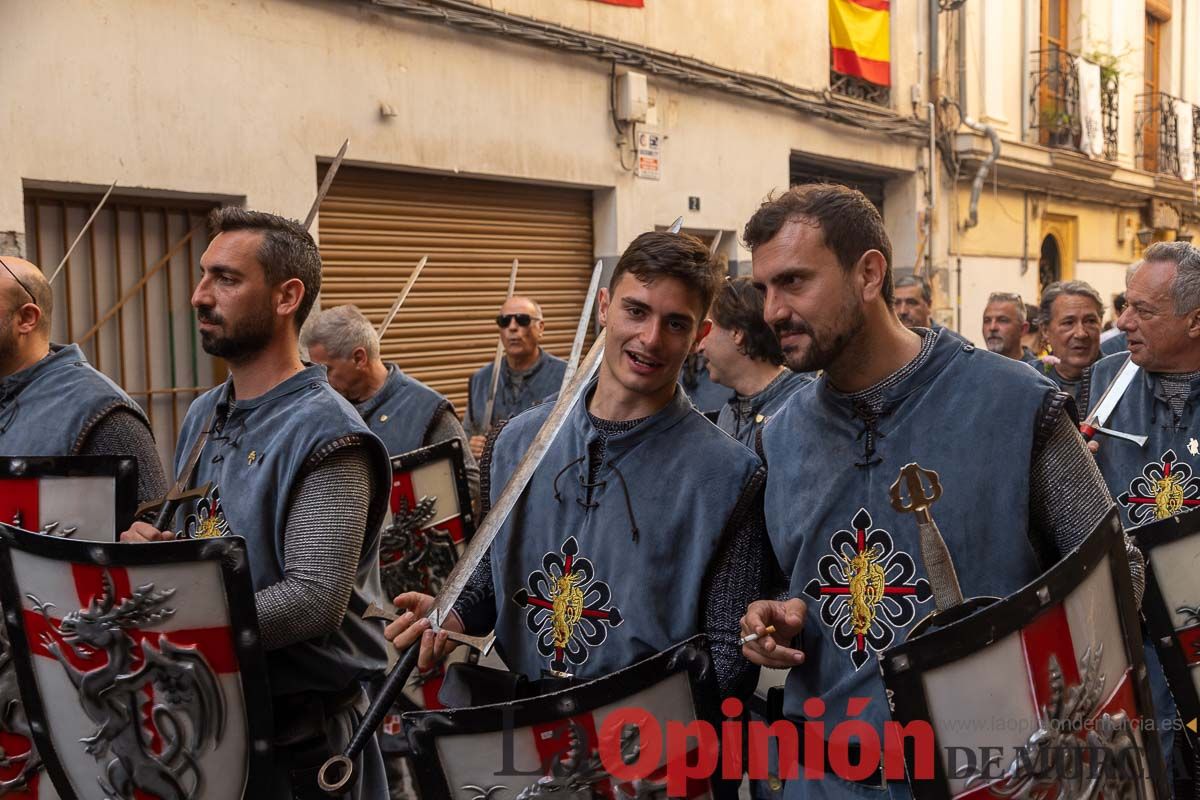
x,y
138,665
83,497
1028,694
531,748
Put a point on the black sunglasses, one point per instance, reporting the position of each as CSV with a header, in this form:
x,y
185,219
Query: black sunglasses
x,y
8,269
504,320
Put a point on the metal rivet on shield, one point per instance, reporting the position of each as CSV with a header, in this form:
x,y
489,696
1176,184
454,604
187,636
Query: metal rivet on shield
x,y
566,706
1043,594
98,555
36,726
900,663
247,637
12,617
262,746
19,466
1166,641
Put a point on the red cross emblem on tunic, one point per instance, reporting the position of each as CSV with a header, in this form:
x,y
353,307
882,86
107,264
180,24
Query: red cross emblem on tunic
x,y
1077,720
867,588
569,609
1164,489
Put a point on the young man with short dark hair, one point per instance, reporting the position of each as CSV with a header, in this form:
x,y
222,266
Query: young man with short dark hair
x,y
600,497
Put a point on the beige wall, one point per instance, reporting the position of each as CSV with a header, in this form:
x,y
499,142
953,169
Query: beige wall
x,y
237,98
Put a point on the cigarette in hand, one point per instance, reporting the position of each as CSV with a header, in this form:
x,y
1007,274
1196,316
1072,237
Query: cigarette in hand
x,y
754,636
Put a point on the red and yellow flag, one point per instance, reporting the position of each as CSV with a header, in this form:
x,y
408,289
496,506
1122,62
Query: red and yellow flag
x,y
860,39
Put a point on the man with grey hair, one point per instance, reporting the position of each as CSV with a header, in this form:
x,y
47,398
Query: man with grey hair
x,y
52,401
1071,312
293,469
914,302
1162,323
1004,324
528,374
399,409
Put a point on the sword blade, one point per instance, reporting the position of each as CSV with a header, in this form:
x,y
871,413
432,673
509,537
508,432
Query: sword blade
x,y
491,398
585,319
1112,395
66,256
391,315
476,551
325,184
676,226
716,242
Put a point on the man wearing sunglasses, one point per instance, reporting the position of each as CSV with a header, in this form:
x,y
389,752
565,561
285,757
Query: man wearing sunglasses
x,y
52,401
528,374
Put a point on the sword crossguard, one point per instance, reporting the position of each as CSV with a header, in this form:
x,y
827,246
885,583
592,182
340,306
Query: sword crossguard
x,y
920,498
172,498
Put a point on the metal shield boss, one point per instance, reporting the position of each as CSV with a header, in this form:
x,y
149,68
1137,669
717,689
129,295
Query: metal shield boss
x,y
1043,693
549,745
139,666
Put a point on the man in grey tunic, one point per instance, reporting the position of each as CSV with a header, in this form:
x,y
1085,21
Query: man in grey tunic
x,y
890,396
52,401
528,374
744,355
595,505
297,473
403,412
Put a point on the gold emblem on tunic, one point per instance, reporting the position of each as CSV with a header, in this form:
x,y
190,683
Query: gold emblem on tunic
x,y
1168,496
567,607
250,459
867,583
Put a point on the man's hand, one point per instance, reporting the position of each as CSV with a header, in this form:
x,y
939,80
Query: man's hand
x,y
1093,447
477,443
766,650
145,532
414,624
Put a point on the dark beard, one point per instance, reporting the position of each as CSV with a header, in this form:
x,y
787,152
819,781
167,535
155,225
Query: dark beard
x,y
824,350
244,339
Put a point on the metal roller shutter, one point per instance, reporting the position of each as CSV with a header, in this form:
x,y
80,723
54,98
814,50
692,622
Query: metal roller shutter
x,y
376,224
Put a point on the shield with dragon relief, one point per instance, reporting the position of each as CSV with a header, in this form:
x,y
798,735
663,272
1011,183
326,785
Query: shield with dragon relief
x,y
1040,695
83,497
139,666
1171,606
548,746
428,525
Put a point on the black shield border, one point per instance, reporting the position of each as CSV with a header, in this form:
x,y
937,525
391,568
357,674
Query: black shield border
x,y
1158,616
903,666
425,727
451,450
123,469
230,551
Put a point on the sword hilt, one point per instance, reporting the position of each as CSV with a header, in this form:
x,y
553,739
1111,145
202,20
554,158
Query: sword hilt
x,y
919,499
337,773
1088,430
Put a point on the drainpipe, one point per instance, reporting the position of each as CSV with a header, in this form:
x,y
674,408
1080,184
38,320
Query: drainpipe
x,y
981,173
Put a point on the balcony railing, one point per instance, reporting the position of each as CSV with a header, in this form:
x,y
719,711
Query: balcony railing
x,y
1157,134
1054,102
850,86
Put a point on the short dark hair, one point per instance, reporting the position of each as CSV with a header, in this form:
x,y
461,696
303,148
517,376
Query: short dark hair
x,y
1059,288
1033,315
287,250
659,254
849,223
917,280
739,306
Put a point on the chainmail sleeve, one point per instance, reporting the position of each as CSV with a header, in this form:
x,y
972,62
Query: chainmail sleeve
x,y
1067,494
326,524
743,571
446,426
123,433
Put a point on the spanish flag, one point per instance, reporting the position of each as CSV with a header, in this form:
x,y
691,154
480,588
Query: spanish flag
x,y
859,39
